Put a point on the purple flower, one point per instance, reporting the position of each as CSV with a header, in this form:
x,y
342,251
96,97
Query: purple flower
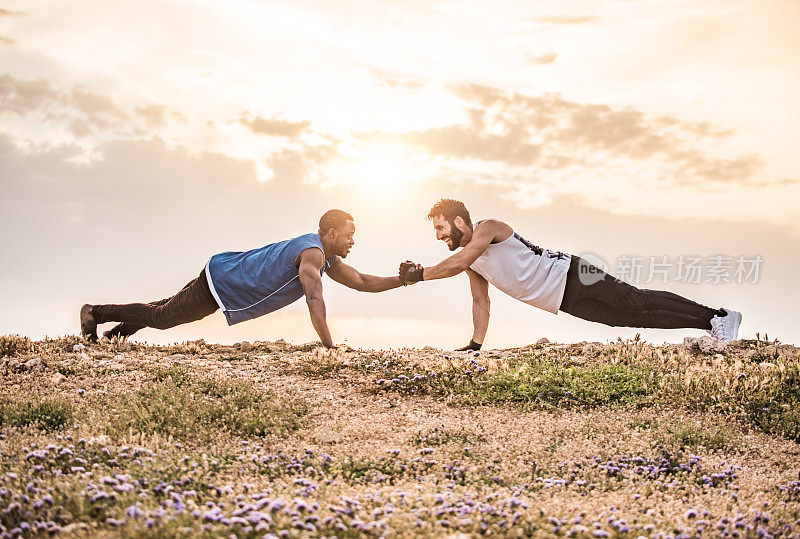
x,y
134,512
212,515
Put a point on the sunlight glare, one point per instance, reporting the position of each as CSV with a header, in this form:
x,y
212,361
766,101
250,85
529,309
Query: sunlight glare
x,y
378,168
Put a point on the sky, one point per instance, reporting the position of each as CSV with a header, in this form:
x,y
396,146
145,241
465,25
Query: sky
x,y
139,138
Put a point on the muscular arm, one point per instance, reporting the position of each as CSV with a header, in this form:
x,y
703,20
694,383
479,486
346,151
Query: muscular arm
x,y
487,232
480,305
311,261
352,278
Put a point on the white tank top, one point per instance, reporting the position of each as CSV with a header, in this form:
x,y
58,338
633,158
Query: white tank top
x,y
526,272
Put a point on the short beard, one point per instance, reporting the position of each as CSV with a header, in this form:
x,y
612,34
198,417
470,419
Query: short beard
x,y
455,235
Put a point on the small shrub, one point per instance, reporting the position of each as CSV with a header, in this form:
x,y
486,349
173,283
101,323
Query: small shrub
x,y
47,415
181,405
11,345
66,370
553,385
690,436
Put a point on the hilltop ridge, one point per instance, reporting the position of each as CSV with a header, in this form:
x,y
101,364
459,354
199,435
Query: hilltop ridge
x,y
587,439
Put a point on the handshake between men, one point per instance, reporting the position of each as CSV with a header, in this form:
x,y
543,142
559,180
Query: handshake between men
x,y
410,272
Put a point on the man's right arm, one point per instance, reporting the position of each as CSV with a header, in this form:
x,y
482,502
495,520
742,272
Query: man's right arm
x,y
311,261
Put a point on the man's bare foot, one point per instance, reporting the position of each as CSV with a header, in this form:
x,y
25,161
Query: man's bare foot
x,y
88,323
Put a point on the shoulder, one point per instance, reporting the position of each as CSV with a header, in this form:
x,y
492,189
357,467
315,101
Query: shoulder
x,y
496,229
297,245
307,239
311,255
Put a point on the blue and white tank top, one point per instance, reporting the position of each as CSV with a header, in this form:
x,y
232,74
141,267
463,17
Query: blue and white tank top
x,y
257,282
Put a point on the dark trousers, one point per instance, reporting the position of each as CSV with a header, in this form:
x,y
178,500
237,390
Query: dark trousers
x,y
612,302
192,303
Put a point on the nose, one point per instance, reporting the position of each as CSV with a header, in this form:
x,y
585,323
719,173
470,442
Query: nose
x,y
439,235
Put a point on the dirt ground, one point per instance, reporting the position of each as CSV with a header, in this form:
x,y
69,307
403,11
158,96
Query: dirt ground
x,y
370,460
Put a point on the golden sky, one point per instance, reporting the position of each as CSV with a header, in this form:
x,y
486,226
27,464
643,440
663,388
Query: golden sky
x,y
139,138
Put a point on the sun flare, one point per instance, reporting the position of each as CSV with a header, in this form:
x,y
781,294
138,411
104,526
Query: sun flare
x,y
377,168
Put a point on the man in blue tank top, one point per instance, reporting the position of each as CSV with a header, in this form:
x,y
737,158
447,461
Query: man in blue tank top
x,y
491,252
253,283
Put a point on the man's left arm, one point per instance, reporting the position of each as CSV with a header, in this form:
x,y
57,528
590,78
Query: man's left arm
x,y
352,278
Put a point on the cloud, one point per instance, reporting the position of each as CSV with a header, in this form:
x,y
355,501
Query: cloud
x,y
547,58
81,112
395,79
94,104
302,163
8,13
157,115
547,132
22,97
275,127
466,142
6,40
408,84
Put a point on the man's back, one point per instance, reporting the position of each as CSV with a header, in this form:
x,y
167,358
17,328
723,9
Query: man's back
x,y
253,283
524,271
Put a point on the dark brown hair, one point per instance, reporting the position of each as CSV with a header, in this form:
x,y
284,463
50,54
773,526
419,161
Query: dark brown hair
x,y
333,219
450,209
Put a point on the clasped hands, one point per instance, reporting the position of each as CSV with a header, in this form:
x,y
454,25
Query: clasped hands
x,y
410,272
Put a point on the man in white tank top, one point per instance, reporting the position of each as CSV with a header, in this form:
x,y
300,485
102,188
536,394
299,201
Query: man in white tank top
x,y
493,253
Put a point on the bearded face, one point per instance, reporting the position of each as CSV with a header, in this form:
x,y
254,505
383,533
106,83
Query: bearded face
x,y
448,232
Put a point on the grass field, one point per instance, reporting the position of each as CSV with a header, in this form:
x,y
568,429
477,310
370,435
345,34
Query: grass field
x,y
585,440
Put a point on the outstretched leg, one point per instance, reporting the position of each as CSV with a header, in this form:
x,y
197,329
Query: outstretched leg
x,y
193,302
126,329
609,301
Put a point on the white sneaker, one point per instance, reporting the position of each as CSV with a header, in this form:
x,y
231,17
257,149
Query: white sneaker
x,y
726,328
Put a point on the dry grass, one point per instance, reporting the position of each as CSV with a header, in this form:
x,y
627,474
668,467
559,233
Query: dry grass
x,y
128,440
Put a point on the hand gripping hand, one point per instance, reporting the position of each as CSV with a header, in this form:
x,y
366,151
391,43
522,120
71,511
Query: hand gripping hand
x,y
410,272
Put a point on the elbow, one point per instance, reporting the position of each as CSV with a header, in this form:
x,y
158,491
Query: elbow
x,y
313,298
361,287
457,268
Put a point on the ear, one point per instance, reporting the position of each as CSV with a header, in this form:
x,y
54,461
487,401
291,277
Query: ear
x,y
459,222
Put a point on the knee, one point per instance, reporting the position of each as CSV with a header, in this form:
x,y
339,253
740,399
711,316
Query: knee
x,y
160,320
